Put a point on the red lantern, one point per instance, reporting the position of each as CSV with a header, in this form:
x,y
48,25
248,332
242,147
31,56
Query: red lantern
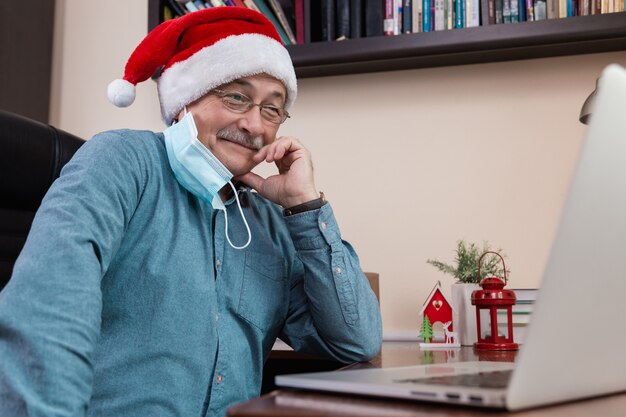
x,y
495,331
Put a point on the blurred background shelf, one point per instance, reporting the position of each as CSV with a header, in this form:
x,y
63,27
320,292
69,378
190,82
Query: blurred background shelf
x,y
490,43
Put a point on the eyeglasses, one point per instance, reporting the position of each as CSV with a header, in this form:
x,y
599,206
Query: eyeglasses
x,y
240,103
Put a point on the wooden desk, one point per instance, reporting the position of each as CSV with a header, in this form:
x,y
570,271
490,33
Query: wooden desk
x,y
284,402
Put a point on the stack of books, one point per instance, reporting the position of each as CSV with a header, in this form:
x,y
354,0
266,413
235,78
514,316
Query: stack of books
x,y
522,312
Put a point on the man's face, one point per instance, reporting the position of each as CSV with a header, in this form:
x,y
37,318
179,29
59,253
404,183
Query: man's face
x,y
235,137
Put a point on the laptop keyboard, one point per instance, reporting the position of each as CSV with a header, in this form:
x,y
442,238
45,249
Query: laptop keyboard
x,y
491,379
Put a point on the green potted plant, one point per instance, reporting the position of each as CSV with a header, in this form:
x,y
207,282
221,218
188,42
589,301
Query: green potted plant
x,y
465,271
465,267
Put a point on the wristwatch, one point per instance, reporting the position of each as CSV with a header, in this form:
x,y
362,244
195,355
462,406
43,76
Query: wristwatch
x,y
308,206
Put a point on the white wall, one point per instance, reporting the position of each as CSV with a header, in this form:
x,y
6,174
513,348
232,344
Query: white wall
x,y
411,160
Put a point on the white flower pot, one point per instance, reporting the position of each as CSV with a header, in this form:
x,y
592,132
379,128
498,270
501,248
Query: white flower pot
x,y
464,313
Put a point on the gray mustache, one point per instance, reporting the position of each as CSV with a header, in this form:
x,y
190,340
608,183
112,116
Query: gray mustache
x,y
241,138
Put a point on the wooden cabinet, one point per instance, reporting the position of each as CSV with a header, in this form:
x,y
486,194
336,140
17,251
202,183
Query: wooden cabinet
x,y
491,43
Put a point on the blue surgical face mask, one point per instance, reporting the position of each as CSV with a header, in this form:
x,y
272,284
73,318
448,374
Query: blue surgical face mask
x,y
198,170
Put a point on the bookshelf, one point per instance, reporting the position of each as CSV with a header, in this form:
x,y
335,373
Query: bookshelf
x,y
491,43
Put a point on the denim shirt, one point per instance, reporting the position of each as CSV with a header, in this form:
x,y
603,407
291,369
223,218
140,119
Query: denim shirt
x,y
127,300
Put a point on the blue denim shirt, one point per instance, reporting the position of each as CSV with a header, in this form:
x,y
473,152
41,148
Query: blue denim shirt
x,y
127,300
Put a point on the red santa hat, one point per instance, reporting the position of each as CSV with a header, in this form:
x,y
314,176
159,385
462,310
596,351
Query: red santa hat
x,y
203,50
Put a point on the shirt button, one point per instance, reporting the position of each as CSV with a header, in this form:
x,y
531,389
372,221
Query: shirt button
x,y
217,317
338,270
218,263
219,378
324,225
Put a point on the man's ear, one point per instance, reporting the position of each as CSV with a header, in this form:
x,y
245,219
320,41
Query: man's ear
x,y
180,114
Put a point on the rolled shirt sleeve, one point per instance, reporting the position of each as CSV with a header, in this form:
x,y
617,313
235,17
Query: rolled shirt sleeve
x,y
333,310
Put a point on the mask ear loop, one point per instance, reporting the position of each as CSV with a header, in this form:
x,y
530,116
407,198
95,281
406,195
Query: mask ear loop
x,y
175,120
244,222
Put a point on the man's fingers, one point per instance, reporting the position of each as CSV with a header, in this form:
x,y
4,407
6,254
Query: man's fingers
x,y
260,155
253,180
278,149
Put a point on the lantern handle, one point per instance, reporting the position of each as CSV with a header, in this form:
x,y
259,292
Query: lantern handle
x,y
480,280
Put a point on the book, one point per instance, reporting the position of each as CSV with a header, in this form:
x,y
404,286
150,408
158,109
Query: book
x,y
473,13
514,11
176,7
397,17
407,16
191,6
290,13
356,18
264,8
530,10
598,8
327,15
426,23
167,13
449,14
487,12
525,308
432,14
282,19
526,294
553,9
498,9
506,11
417,16
586,8
521,10
251,5
374,16
300,25
459,14
439,14
342,19
388,22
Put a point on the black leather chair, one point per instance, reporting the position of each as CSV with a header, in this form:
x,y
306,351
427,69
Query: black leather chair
x,y
31,157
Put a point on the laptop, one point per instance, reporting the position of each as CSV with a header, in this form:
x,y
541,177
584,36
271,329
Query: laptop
x,y
575,346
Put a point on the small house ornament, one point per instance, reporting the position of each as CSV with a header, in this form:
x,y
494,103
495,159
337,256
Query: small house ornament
x,y
437,309
495,331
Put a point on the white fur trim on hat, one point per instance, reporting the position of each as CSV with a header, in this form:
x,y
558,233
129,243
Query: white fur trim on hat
x,y
231,58
121,93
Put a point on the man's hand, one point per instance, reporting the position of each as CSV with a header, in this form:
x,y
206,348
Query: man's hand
x,y
294,183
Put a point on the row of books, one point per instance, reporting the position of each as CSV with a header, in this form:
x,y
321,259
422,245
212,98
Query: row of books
x,y
305,21
281,12
408,16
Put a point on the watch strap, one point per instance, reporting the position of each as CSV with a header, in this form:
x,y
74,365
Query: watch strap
x,y
307,206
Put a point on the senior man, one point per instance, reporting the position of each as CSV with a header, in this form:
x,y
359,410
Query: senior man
x,y
150,284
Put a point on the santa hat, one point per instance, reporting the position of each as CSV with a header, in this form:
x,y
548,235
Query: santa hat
x,y
203,50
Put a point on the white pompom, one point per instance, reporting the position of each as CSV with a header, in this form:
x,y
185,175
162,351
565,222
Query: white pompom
x,y
121,93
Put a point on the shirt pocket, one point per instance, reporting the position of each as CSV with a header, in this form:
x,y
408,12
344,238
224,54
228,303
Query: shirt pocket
x,y
263,300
